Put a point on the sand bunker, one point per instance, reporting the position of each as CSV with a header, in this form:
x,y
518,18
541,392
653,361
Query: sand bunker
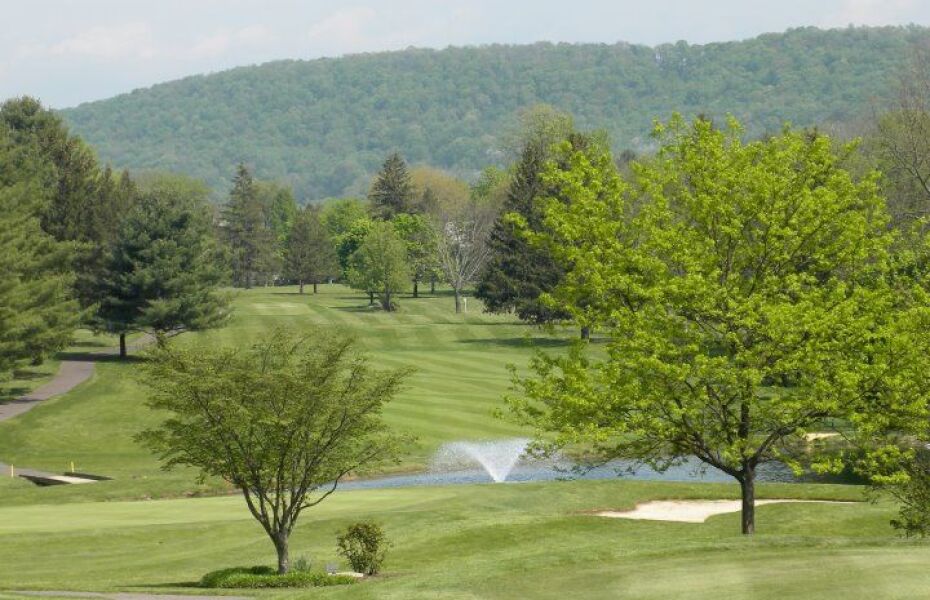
x,y
819,435
691,511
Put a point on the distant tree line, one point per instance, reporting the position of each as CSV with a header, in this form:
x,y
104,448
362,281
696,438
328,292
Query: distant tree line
x,y
313,124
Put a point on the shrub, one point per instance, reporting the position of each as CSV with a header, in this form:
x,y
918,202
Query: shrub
x,y
266,577
364,546
301,564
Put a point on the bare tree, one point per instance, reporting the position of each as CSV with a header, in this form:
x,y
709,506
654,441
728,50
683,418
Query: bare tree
x,y
463,231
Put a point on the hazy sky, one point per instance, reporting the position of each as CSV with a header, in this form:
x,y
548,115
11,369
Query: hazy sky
x,y
71,51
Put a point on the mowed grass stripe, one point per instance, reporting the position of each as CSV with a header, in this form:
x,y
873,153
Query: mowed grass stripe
x,y
460,378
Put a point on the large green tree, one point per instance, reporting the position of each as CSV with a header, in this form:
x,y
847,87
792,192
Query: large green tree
x,y
420,239
380,266
38,313
162,275
309,255
279,206
283,420
517,273
746,291
250,239
85,203
392,191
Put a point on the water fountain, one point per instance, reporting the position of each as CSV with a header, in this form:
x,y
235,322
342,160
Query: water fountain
x,y
496,457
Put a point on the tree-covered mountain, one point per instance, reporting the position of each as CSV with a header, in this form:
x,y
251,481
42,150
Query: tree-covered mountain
x,y
326,125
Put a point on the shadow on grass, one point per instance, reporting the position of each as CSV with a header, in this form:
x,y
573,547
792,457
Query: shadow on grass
x,y
27,375
91,344
100,357
13,395
374,309
170,585
521,342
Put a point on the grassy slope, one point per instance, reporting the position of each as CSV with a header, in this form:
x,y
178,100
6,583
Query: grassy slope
x,y
486,541
461,376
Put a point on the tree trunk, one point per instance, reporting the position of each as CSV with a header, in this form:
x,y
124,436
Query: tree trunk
x,y
416,293
122,346
458,300
301,286
314,287
748,488
386,301
280,545
432,286
586,333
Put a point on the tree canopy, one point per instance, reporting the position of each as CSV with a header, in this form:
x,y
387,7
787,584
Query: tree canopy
x,y
163,272
283,420
312,124
748,295
38,312
379,265
309,255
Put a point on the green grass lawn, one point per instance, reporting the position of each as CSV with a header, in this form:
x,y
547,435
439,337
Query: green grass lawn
x,y
457,542
461,376
486,541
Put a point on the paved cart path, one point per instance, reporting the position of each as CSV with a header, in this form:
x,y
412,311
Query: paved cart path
x,y
123,596
71,373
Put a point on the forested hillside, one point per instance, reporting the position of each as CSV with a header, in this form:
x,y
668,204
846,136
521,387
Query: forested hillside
x,y
324,126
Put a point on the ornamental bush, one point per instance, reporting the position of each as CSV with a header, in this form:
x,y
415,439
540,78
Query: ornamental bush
x,y
364,546
266,577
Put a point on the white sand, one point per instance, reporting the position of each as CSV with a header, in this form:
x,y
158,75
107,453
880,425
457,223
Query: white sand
x,y
819,435
691,511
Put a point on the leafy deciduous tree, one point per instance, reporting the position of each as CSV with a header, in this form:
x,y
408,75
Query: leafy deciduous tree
x,y
284,421
380,264
746,294
420,240
309,254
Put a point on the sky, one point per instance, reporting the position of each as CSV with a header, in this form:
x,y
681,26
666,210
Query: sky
x,y
70,51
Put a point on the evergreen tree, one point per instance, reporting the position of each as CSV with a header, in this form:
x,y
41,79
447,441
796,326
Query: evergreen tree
x,y
162,273
309,253
251,241
392,191
38,314
518,273
380,265
85,205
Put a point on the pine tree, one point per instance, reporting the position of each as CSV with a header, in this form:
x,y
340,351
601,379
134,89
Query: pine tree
x,y
162,274
310,256
392,192
38,314
518,273
86,204
251,241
